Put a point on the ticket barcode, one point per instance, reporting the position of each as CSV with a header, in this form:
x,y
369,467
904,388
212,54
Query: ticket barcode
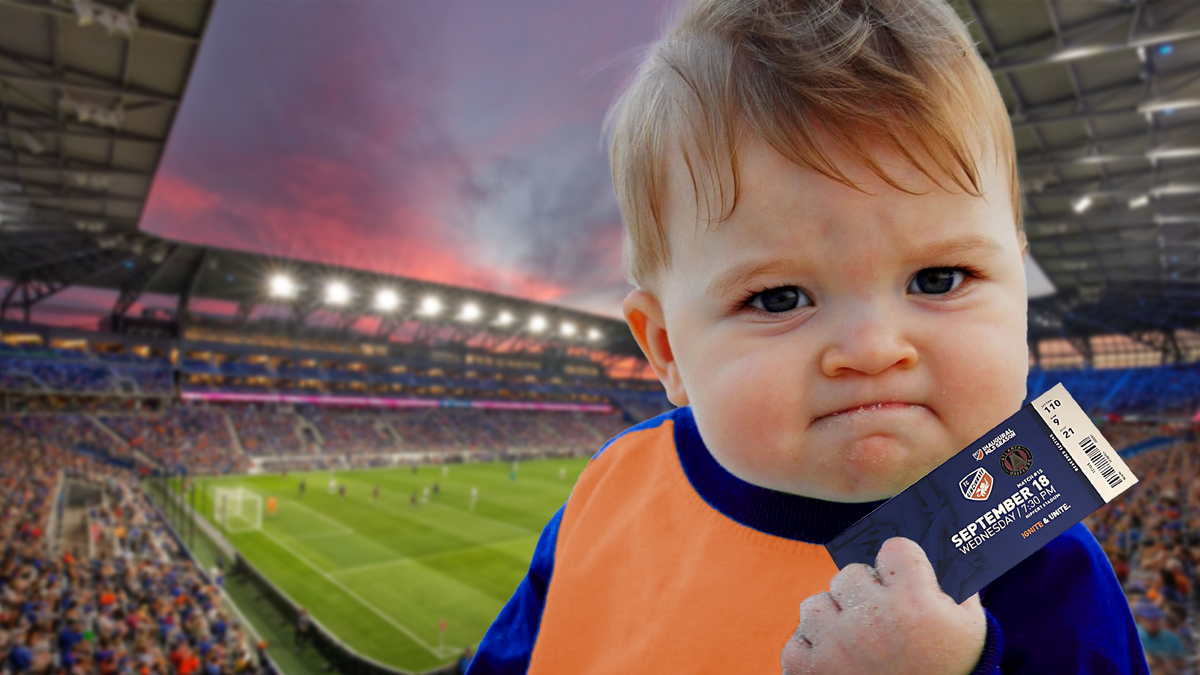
x,y
1100,461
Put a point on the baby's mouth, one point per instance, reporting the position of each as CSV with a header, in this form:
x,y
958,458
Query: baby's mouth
x,y
867,408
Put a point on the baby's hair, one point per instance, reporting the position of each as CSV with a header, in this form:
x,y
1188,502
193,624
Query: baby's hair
x,y
902,75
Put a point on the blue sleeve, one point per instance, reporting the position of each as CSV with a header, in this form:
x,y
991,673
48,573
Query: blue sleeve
x,y
993,648
508,644
1062,611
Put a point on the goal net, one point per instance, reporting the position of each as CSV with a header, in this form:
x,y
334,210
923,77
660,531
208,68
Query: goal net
x,y
237,509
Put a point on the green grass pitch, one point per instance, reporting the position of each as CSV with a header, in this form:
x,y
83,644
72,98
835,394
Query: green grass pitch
x,y
382,574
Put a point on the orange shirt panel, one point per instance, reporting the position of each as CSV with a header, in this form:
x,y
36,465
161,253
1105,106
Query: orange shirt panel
x,y
649,578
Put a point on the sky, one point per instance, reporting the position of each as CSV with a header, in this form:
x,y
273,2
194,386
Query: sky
x,y
456,142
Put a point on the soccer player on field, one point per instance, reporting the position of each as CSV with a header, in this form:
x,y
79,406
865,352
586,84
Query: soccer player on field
x,y
824,232
271,506
303,484
375,493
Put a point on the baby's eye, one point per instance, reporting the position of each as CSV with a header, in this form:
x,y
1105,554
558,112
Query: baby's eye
x,y
937,280
781,299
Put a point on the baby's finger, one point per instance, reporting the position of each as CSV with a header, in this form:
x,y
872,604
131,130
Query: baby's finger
x,y
817,613
902,562
855,586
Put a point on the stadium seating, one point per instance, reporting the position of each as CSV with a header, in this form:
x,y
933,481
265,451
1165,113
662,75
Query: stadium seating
x,y
265,432
183,438
46,372
115,594
1151,534
1165,390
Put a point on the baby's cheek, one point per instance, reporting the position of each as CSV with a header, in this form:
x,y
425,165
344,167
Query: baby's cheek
x,y
749,411
983,380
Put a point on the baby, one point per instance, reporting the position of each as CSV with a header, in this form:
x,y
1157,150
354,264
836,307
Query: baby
x,y
825,237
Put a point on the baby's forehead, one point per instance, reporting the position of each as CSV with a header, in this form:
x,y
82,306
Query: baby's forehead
x,y
762,189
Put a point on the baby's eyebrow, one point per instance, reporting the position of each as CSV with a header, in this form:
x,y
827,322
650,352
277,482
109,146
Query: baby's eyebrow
x,y
938,249
740,274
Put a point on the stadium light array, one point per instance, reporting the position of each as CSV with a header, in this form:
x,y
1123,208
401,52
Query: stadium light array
x,y
337,293
386,300
593,334
431,306
567,329
1082,205
470,312
282,286
505,319
537,324
1139,202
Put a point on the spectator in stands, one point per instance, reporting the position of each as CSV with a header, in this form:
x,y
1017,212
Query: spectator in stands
x,y
1164,649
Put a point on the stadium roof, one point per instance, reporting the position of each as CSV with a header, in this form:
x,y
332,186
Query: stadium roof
x,y
1104,96
1104,101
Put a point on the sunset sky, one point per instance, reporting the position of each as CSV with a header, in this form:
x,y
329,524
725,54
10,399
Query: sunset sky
x,y
457,142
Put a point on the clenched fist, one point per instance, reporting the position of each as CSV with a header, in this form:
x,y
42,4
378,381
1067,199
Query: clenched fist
x,y
890,618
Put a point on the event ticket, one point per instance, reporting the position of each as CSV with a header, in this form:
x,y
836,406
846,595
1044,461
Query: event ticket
x,y
1000,499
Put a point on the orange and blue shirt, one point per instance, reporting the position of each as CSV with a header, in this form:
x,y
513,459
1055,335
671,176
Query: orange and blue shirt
x,y
663,561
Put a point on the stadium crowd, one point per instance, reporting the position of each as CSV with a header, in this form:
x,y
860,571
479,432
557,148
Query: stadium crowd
x,y
183,437
125,600
1151,534
86,375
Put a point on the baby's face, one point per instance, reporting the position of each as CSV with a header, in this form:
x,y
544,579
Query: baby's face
x,y
841,345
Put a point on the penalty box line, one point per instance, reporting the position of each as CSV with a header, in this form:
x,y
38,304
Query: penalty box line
x,y
345,530
439,652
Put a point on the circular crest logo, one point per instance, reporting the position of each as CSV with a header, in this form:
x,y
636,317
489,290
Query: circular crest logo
x,y
1016,460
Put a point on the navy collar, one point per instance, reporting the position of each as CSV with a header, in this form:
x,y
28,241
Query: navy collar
x,y
777,513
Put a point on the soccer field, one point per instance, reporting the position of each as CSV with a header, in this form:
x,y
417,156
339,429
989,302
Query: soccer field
x,y
382,574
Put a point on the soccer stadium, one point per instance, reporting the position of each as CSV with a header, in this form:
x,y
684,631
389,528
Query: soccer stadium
x,y
235,438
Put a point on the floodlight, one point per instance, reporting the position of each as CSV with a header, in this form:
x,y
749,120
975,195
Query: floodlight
x,y
593,334
567,329
537,324
282,286
1082,205
1139,202
337,293
470,312
505,319
431,306
386,300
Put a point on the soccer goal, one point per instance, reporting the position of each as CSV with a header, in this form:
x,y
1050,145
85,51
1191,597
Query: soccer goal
x,y
237,509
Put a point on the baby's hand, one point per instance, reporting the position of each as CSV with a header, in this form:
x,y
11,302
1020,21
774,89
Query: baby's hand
x,y
891,618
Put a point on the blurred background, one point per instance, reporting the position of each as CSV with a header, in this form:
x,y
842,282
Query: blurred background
x,y
325,297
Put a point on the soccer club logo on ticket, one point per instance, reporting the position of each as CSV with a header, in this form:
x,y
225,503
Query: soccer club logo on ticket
x,y
976,485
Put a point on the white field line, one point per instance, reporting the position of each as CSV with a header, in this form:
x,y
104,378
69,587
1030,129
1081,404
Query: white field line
x,y
462,511
439,652
319,535
405,561
346,530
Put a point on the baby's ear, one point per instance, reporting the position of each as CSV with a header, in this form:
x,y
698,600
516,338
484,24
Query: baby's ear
x,y
644,315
